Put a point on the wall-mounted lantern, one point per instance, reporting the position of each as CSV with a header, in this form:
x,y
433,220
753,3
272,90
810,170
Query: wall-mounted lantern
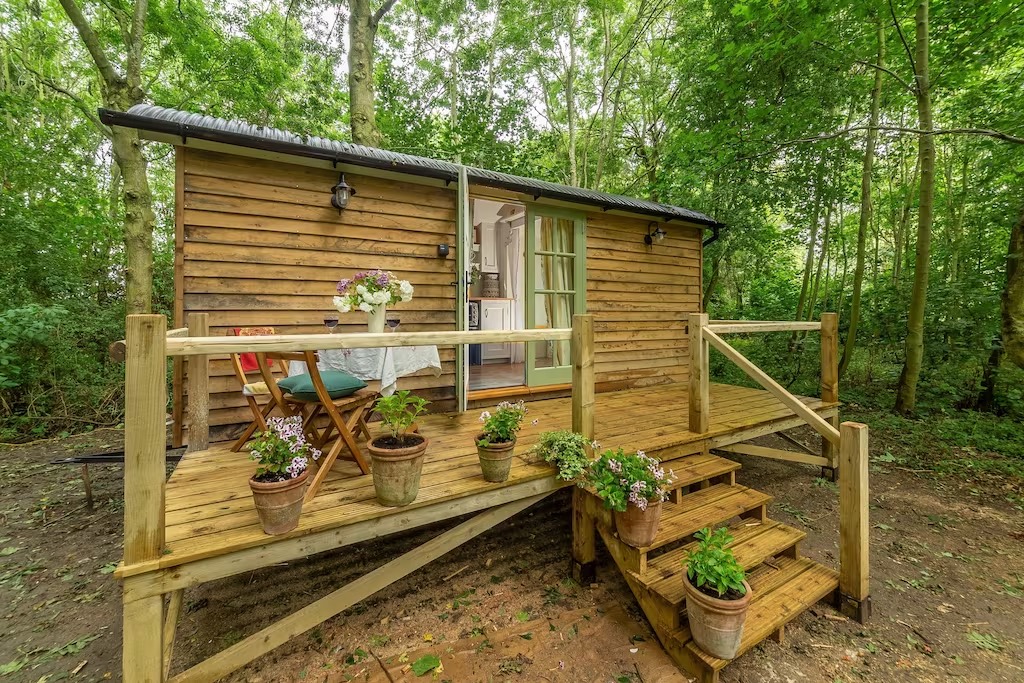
x,y
655,235
341,193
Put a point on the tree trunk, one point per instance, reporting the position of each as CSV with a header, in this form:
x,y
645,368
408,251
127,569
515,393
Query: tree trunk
x,y
362,32
570,104
813,299
811,242
1013,296
138,220
120,92
865,206
906,392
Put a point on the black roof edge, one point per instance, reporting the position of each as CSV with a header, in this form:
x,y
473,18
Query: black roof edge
x,y
112,117
185,131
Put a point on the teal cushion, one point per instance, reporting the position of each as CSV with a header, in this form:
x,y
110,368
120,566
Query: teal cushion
x,y
338,385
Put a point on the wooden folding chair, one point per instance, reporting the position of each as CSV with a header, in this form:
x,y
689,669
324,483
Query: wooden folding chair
x,y
346,417
243,365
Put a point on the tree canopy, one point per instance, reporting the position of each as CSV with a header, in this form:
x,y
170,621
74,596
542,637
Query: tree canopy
x,y
759,114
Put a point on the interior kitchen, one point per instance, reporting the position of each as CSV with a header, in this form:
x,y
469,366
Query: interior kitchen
x,y
497,292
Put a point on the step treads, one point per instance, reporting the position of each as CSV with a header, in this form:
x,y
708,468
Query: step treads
x,y
753,543
694,469
697,468
710,507
781,593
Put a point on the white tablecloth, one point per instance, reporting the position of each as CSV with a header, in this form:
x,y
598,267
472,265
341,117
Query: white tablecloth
x,y
385,364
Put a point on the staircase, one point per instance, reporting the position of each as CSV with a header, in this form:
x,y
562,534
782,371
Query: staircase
x,y
706,495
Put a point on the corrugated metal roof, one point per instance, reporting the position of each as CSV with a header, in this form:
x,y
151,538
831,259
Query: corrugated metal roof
x,y
191,125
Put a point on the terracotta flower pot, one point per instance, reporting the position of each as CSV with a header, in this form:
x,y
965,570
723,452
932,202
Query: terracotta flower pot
x,y
716,624
496,459
279,503
638,527
396,471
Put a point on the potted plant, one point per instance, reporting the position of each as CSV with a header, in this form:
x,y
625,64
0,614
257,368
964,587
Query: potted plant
x,y
717,594
279,483
496,443
397,456
633,486
566,450
372,292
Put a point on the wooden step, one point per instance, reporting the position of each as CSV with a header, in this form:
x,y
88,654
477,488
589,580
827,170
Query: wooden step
x,y
708,507
753,543
781,593
700,468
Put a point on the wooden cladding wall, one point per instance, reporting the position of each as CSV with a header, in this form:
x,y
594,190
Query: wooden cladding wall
x,y
259,244
640,297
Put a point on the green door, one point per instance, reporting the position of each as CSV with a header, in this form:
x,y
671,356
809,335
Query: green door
x,y
555,287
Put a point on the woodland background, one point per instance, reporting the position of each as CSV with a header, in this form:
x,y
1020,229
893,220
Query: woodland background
x,y
867,158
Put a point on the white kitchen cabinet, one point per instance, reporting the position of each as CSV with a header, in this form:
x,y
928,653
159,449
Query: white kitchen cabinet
x,y
496,314
488,248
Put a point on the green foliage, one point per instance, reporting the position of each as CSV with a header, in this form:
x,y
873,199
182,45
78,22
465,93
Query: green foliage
x,y
503,424
621,479
281,451
399,410
567,451
713,565
425,665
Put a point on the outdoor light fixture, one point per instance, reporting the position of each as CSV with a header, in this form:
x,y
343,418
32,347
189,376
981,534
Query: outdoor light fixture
x,y
341,193
655,235
442,250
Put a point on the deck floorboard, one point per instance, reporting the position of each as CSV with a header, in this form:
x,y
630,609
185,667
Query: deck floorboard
x,y
209,509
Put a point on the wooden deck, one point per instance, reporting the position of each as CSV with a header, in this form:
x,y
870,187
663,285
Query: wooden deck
x,y
210,513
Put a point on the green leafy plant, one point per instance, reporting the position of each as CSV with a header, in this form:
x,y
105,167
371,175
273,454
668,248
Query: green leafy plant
x,y
282,451
621,479
501,425
567,451
400,410
713,566
425,664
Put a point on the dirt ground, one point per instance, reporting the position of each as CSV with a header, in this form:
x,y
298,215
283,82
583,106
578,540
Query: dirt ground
x,y
947,584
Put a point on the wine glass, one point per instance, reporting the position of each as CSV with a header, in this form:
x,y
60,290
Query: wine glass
x,y
393,322
331,321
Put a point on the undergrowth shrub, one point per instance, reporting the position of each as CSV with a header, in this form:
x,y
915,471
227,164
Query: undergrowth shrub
x,y
54,372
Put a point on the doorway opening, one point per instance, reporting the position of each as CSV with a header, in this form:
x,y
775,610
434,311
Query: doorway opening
x,y
528,273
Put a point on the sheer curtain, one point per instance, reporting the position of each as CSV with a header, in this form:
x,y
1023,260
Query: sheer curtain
x,y
514,286
556,236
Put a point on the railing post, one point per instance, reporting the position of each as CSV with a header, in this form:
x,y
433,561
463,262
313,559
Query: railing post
x,y
700,387
144,474
854,595
198,393
584,531
830,384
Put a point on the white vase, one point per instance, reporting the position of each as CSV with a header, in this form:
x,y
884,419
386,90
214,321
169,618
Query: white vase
x,y
376,319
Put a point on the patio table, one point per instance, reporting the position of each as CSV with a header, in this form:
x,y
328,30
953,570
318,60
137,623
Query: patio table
x,y
386,364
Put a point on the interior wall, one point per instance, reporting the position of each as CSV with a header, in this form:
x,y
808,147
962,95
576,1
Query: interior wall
x,y
641,296
259,244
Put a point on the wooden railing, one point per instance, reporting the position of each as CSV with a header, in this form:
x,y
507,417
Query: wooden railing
x,y
148,344
145,349
844,446
705,334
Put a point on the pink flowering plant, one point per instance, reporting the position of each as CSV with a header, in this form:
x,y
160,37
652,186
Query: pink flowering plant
x,y
621,479
502,425
282,451
367,290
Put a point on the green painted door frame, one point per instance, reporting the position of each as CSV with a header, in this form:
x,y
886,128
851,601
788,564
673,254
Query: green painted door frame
x,y
562,374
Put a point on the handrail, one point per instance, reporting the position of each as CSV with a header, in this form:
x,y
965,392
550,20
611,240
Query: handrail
x,y
704,333
191,346
776,389
745,327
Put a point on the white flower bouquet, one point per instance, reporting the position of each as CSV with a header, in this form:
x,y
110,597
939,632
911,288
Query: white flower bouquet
x,y
369,290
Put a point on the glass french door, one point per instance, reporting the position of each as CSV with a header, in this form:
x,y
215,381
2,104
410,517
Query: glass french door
x,y
555,288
